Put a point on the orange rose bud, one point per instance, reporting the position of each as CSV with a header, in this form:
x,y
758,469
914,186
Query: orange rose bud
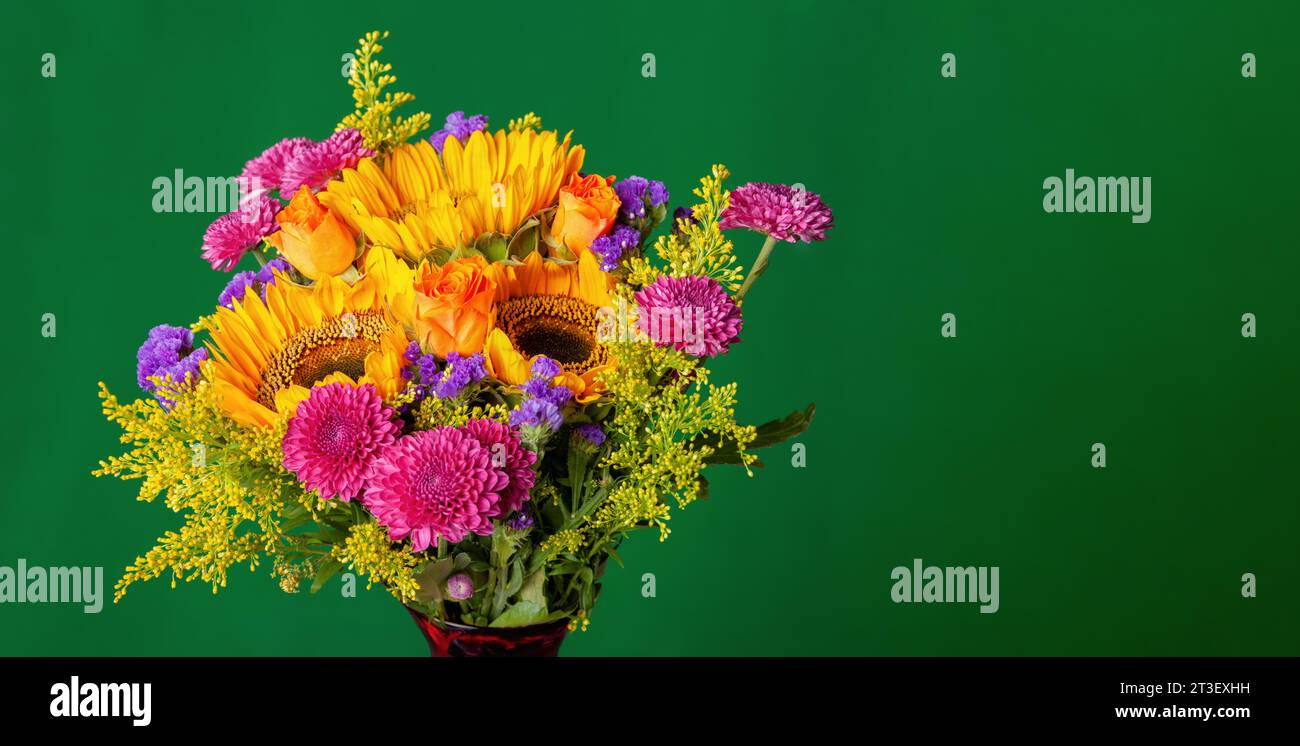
x,y
312,238
587,210
453,306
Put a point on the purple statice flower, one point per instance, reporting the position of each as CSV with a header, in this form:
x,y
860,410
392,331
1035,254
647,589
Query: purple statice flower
x,y
522,521
545,370
460,587
411,355
422,371
232,235
542,388
538,413
458,126
412,352
459,373
657,194
544,367
427,366
313,166
168,351
780,211
266,275
258,281
164,346
426,370
636,194
266,171
590,432
612,247
236,288
692,314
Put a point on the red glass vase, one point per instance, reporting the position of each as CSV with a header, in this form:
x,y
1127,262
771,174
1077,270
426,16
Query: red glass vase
x,y
450,640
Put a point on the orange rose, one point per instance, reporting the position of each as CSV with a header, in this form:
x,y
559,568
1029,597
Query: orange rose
x,y
453,306
587,210
313,238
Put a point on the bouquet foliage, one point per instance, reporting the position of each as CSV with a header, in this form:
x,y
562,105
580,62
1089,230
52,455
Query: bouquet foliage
x,y
463,367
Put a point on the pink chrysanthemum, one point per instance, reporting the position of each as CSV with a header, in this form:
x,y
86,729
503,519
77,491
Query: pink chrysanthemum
x,y
782,212
317,163
334,436
691,314
508,454
231,236
266,171
435,483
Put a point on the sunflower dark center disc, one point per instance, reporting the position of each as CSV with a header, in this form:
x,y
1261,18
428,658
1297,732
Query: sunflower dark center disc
x,y
338,345
344,356
561,328
559,340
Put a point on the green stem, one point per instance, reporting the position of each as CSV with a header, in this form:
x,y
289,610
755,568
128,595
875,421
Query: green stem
x,y
443,550
760,266
260,256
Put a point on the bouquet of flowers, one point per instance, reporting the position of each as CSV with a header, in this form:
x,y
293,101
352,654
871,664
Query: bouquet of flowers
x,y
465,369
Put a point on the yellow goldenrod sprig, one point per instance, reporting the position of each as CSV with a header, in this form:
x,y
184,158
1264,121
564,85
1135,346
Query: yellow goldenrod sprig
x,y
662,436
696,247
529,121
226,479
374,110
368,550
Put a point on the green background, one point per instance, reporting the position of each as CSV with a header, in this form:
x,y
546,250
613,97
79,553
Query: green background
x,y
1072,329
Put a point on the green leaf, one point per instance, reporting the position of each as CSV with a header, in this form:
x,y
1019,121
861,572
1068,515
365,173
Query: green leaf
x,y
768,434
521,614
439,256
492,246
431,578
516,580
614,555
533,589
525,240
327,570
462,252
504,544
567,567
777,431
587,594
658,214
577,469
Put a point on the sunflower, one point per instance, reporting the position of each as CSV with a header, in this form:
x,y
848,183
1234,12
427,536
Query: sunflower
x,y
267,354
415,201
552,309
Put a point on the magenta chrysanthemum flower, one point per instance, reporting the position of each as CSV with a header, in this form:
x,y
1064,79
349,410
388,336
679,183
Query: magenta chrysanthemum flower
x,y
782,212
335,435
232,235
508,454
317,163
435,483
266,171
691,314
